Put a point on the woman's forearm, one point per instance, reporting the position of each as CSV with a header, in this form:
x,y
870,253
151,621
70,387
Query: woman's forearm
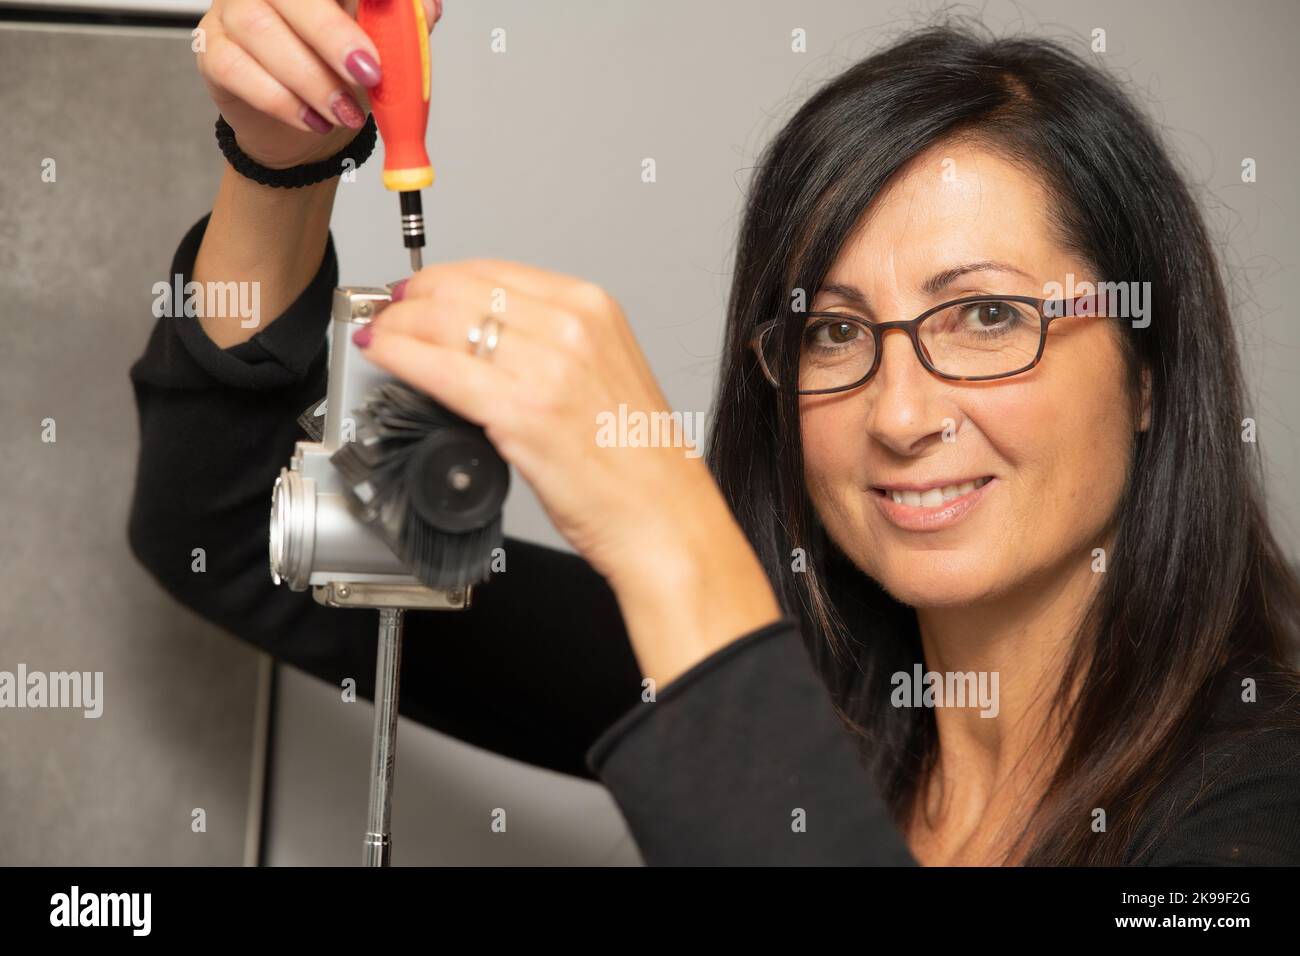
x,y
272,239
695,594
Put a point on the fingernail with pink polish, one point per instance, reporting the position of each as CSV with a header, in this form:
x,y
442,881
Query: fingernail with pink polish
x,y
346,109
363,68
317,122
362,337
437,10
399,290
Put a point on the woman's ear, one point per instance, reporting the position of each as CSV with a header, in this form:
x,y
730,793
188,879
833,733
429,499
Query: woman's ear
x,y
1145,422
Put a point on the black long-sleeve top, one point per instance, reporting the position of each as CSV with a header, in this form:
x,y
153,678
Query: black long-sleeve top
x,y
739,760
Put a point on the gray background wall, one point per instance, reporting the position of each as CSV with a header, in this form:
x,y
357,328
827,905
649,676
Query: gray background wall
x,y
538,155
77,259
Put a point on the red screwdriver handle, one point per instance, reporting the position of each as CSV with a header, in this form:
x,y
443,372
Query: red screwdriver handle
x,y
401,100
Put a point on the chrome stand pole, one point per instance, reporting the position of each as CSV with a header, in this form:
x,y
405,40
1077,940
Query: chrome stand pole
x,y
379,844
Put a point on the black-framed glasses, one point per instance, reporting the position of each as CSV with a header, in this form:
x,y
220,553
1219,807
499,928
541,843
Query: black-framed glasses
x,y
973,339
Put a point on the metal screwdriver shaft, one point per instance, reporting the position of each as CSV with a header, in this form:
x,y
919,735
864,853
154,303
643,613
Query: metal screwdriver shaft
x,y
413,227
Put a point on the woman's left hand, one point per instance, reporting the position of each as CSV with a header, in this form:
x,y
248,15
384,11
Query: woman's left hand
x,y
649,519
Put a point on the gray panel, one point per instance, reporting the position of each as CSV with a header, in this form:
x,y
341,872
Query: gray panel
x,y
445,795
129,129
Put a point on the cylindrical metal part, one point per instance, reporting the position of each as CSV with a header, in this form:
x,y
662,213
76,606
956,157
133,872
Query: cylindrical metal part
x,y
412,219
388,666
314,533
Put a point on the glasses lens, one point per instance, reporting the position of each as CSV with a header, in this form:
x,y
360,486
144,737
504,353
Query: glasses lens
x,y
834,352
988,337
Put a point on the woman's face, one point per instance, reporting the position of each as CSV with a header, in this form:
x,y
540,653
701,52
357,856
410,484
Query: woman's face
x,y
1053,443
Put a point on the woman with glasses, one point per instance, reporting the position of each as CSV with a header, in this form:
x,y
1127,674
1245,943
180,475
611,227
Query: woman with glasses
x,y
976,571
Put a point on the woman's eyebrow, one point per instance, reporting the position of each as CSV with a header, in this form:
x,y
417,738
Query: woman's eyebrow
x,y
851,294
941,280
932,286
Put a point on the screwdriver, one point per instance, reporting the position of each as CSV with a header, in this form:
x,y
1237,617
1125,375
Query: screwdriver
x,y
401,106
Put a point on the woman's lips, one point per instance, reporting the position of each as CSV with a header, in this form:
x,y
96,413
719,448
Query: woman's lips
x,y
910,515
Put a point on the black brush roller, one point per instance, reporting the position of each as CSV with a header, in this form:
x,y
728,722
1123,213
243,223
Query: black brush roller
x,y
429,482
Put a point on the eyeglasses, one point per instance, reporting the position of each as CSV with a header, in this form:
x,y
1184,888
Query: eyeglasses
x,y
973,339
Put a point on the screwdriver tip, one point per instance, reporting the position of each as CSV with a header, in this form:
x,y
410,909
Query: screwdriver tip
x,y
417,259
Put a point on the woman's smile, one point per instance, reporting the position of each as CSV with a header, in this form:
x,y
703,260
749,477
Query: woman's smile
x,y
931,506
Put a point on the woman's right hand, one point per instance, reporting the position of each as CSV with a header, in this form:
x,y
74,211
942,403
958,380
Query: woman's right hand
x,y
290,76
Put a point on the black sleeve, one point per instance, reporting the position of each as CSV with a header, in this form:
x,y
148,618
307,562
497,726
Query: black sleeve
x,y
535,669
741,760
1236,804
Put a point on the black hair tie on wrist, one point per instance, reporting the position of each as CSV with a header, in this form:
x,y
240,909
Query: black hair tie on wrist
x,y
359,150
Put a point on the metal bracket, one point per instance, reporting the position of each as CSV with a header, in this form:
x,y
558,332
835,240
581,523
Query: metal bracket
x,y
378,595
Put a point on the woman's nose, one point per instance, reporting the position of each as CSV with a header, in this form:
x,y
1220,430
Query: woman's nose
x,y
907,404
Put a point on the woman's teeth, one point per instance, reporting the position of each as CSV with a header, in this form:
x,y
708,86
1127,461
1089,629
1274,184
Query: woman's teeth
x,y
933,497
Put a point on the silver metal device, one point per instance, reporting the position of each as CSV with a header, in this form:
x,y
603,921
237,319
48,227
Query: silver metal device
x,y
317,542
